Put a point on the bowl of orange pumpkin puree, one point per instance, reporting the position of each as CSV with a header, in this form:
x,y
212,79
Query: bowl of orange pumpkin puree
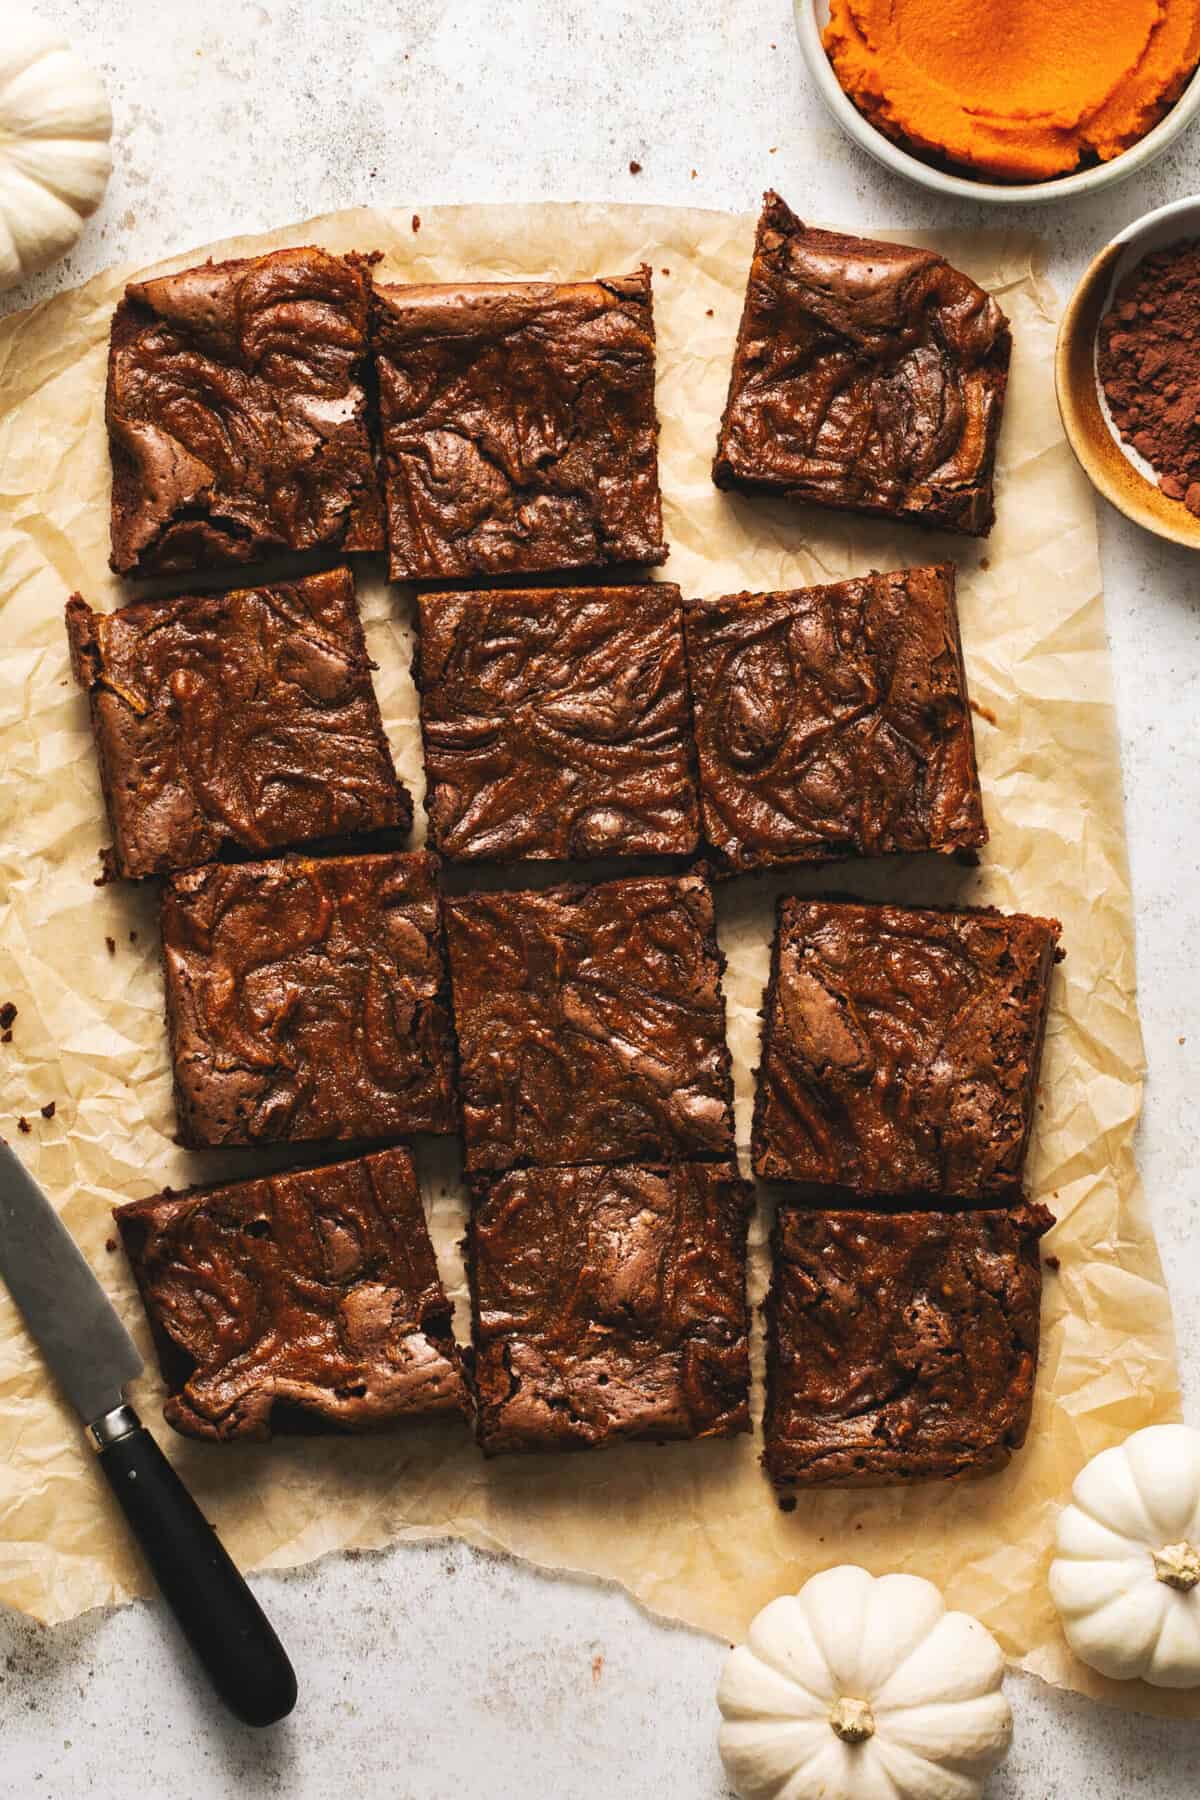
x,y
1007,99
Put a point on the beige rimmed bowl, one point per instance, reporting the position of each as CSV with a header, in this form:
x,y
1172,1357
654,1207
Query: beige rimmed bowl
x,y
1114,467
811,19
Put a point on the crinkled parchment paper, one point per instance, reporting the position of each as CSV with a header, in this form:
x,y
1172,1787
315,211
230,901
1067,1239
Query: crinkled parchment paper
x,y
691,1530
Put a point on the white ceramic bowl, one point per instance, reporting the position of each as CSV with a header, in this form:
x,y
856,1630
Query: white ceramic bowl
x,y
1112,465
811,17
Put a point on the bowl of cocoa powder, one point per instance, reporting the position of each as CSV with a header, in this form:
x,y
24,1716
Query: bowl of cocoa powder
x,y
1128,372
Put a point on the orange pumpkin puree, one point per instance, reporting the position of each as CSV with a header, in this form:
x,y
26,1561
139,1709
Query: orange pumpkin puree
x,y
1019,89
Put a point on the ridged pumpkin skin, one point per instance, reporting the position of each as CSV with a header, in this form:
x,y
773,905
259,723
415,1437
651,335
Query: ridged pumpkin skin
x,y
55,150
863,1688
1126,1576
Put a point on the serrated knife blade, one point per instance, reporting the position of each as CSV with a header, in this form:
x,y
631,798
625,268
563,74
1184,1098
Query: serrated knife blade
x,y
76,1326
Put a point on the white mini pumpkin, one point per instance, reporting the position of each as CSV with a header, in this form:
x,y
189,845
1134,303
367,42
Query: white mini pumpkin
x,y
1126,1577
55,153
863,1688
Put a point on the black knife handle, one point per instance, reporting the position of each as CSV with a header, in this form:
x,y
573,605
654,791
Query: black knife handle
x,y
218,1614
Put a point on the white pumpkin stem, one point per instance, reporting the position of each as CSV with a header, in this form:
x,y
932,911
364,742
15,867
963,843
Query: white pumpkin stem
x,y
853,1720
1178,1565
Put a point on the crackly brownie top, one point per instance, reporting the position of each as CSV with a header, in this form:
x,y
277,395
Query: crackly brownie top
x,y
834,721
609,1303
304,999
866,375
236,414
901,1048
556,723
519,429
245,718
900,1345
314,1291
590,1024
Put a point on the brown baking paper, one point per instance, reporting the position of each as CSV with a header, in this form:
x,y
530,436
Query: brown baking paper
x,y
691,1530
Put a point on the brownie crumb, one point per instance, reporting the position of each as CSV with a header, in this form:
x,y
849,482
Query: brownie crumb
x,y
597,1668
110,1244
1052,1263
49,1109
133,937
693,174
416,221
708,312
24,1125
788,1503
111,944
108,868
8,1013
635,168
984,712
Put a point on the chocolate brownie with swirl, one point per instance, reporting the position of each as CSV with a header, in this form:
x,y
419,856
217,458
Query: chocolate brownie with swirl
x,y
307,1299
901,1049
834,721
900,1346
237,414
245,720
556,724
591,1024
609,1304
867,376
306,1000
518,426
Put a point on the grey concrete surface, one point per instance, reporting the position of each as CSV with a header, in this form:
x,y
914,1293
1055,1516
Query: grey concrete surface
x,y
433,1673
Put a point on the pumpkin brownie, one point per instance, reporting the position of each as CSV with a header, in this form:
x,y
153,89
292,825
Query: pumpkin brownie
x,y
834,721
243,720
901,1048
866,376
556,724
305,1000
518,426
309,1298
900,1346
237,414
591,1024
609,1303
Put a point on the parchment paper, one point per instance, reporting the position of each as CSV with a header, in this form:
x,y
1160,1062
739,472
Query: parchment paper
x,y
691,1530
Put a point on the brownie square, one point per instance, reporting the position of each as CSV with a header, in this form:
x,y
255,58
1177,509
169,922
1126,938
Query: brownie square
x,y
868,376
609,1303
237,416
305,1000
309,1298
900,1346
591,1024
242,720
901,1048
834,721
518,426
556,724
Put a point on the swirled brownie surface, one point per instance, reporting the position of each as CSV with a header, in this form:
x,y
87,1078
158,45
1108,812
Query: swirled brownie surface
x,y
866,375
237,418
834,721
518,426
901,1048
305,999
609,1303
245,718
556,724
314,1292
591,1025
900,1346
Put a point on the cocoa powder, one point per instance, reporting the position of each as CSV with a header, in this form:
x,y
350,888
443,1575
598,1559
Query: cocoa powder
x,y
1149,366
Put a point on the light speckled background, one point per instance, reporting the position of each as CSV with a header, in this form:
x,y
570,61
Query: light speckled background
x,y
435,1673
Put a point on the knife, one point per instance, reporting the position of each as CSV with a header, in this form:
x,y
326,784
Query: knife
x,y
93,1358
